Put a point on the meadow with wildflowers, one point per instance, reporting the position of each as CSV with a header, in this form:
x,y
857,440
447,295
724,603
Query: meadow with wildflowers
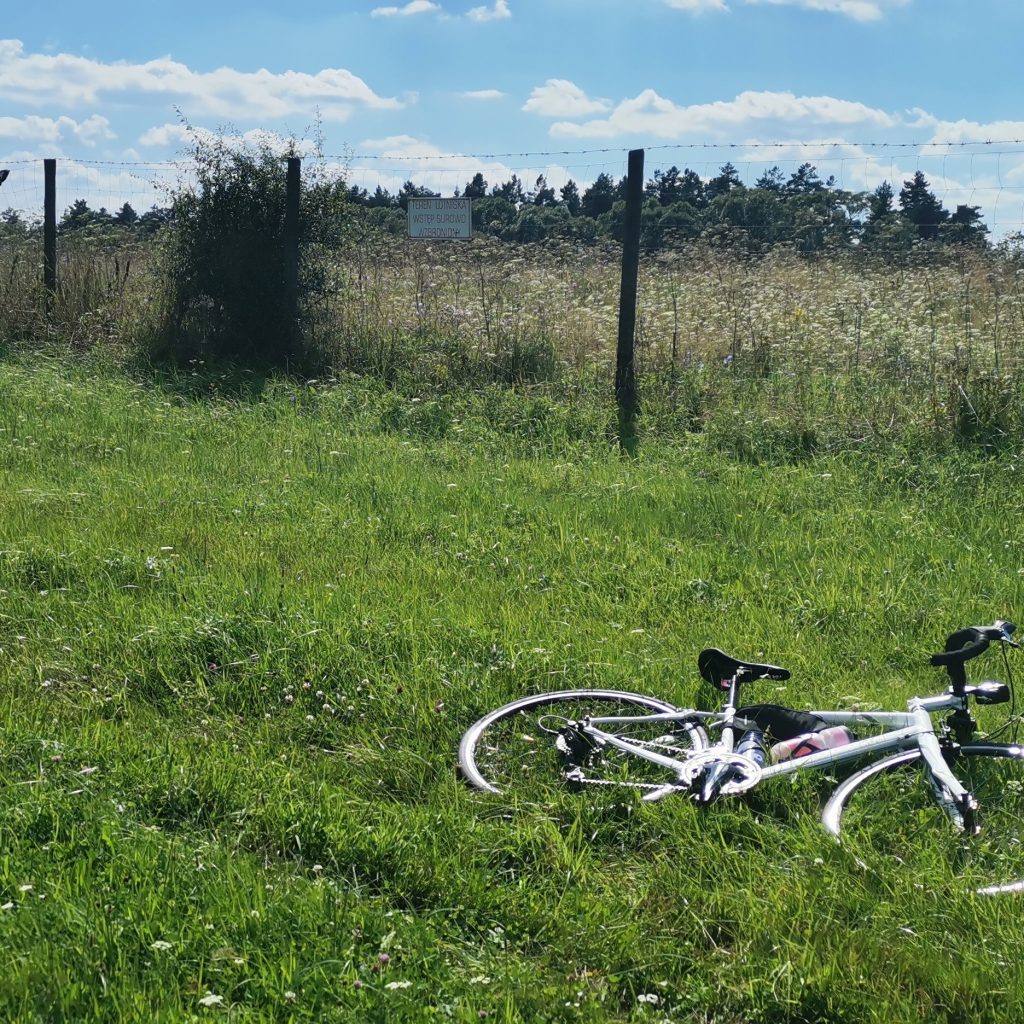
x,y
245,617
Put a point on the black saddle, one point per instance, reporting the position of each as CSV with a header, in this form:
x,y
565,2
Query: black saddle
x,y
719,669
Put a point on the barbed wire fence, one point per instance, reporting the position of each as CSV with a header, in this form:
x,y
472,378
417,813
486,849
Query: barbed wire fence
x,y
985,174
105,185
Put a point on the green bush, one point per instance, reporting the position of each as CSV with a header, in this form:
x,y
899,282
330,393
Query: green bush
x,y
225,258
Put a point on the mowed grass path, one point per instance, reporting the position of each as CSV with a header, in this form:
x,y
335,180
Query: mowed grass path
x,y
239,641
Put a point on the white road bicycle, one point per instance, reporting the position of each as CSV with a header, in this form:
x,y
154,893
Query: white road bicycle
x,y
921,787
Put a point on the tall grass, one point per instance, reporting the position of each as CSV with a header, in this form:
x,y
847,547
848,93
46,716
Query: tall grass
x,y
106,287
244,622
767,357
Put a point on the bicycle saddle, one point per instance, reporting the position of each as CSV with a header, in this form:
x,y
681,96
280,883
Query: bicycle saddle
x,y
719,669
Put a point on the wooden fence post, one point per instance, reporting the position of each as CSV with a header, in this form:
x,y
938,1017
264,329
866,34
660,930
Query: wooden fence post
x,y
50,229
625,375
293,189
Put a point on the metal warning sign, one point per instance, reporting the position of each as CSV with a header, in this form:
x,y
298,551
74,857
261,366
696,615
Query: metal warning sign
x,y
440,218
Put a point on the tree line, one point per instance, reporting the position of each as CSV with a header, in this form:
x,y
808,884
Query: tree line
x,y
801,210
79,216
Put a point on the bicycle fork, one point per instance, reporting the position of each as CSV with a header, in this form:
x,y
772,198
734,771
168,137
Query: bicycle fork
x,y
950,793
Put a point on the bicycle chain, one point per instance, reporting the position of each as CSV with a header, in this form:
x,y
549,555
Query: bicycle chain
x,y
650,745
583,780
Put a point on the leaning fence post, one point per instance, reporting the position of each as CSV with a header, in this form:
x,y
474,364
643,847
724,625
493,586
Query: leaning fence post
x,y
50,229
291,241
625,375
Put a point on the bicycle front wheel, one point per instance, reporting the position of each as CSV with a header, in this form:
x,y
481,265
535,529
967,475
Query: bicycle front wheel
x,y
889,817
535,742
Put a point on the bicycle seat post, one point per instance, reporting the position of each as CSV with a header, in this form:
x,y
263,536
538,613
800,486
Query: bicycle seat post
x,y
717,774
732,702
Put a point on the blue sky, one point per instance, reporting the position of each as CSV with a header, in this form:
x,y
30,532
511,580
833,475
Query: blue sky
x,y
573,84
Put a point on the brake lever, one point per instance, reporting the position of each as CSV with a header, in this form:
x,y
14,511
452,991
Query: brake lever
x,y
1006,630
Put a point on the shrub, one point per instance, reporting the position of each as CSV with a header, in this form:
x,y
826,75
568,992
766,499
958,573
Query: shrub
x,y
225,257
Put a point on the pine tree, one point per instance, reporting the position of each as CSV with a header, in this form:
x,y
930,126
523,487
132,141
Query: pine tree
x,y
600,197
76,216
570,194
542,194
880,202
770,181
512,190
965,227
477,188
381,198
921,208
126,216
803,181
692,190
727,180
410,191
12,223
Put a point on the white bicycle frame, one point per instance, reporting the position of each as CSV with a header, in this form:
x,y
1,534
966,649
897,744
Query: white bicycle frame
x,y
904,730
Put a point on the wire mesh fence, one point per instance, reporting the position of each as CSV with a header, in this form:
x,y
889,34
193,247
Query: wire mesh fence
x,y
986,175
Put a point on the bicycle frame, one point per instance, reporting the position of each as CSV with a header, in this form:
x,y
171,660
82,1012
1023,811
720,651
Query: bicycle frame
x,y
912,728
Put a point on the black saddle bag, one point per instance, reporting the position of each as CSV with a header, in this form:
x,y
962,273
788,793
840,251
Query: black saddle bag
x,y
781,723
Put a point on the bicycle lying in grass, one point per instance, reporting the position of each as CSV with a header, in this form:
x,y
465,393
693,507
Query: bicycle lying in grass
x,y
933,788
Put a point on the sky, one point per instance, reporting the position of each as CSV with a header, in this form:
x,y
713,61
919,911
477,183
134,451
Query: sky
x,y
438,90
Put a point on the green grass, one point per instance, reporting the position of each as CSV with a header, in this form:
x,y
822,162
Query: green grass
x,y
241,636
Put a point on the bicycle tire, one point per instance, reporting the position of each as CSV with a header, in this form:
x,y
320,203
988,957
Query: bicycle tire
x,y
887,814
492,750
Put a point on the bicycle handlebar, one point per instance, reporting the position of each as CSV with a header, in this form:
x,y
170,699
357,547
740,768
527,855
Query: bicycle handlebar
x,y
968,643
961,654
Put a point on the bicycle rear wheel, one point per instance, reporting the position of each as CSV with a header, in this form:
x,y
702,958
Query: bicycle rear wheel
x,y
531,743
889,817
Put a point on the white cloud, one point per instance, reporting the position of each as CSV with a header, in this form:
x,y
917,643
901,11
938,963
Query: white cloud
x,y
560,98
858,10
68,81
399,158
499,11
413,7
698,6
652,115
47,129
92,130
400,146
972,131
168,135
483,94
854,167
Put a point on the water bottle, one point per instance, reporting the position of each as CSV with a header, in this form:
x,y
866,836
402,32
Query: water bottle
x,y
752,746
811,743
